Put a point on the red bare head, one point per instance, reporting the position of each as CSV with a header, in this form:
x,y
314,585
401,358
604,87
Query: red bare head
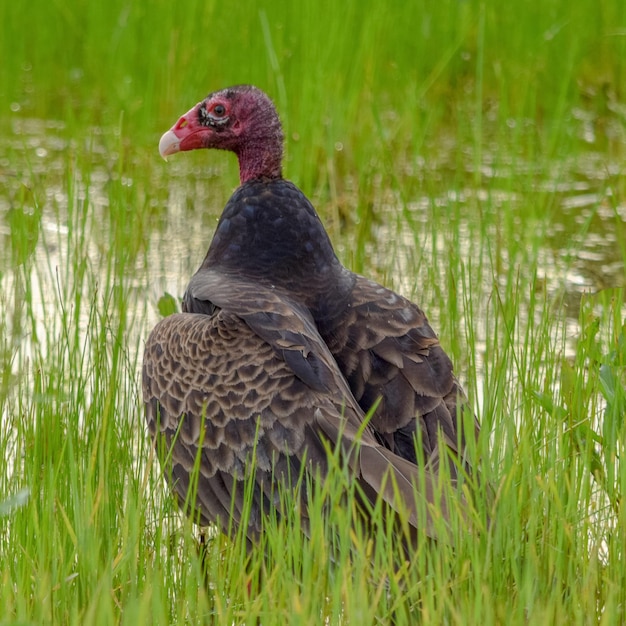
x,y
241,119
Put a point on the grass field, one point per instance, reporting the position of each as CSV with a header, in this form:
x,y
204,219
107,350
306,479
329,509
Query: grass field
x,y
468,154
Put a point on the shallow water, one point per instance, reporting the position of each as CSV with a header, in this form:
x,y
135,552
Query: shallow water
x,y
66,209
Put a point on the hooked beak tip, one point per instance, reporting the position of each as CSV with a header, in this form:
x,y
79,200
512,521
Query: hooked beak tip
x,y
169,144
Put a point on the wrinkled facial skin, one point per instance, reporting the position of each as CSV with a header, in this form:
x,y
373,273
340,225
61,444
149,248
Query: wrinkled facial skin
x,y
242,120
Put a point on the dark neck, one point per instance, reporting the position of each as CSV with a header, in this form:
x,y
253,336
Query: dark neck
x,y
269,232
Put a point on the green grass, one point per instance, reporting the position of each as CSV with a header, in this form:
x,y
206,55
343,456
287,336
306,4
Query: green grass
x,y
467,154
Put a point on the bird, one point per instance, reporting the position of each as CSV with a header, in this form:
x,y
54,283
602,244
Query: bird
x,y
282,355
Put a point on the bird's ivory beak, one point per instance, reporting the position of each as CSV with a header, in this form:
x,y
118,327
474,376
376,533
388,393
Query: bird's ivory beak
x,y
169,144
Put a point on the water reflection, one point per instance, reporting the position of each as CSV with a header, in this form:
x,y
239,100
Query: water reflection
x,y
73,225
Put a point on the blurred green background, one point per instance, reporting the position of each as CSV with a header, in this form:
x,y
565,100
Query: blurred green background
x,y
359,73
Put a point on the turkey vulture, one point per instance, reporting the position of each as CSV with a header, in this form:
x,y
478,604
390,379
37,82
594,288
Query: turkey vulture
x,y
282,354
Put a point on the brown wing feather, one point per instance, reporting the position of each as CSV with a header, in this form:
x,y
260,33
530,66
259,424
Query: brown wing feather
x,y
214,388
211,382
389,354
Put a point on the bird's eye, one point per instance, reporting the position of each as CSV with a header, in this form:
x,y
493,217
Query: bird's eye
x,y
213,115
